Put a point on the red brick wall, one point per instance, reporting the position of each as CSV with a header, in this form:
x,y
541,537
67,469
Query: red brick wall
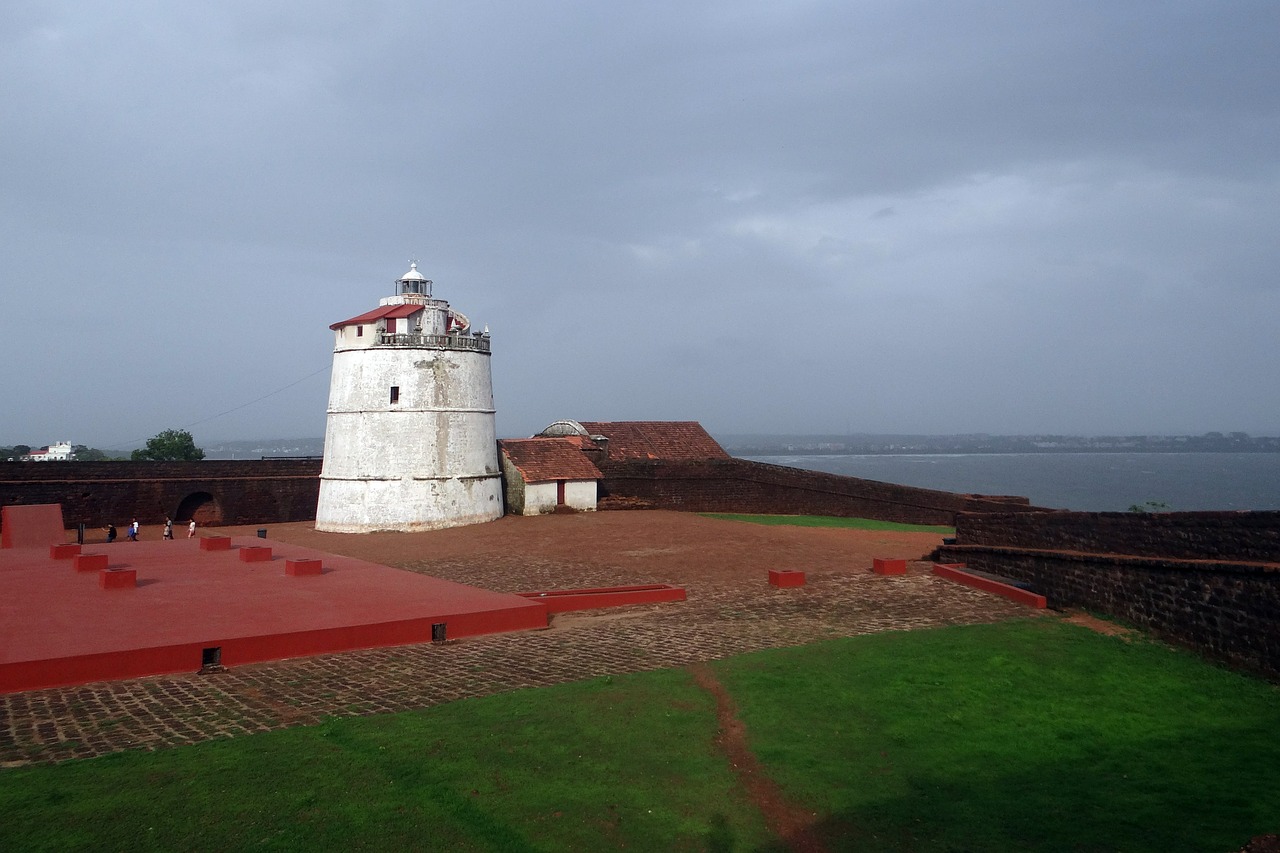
x,y
740,485
95,493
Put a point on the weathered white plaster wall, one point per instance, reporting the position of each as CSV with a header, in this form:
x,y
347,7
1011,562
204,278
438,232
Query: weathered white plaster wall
x,y
513,486
581,494
429,460
540,498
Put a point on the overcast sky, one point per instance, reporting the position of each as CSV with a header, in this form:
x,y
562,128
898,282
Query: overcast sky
x,y
802,217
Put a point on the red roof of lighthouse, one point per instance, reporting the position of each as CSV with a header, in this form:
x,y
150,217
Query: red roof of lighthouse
x,y
395,311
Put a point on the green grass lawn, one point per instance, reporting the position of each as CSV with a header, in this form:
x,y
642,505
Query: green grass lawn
x,y
1026,735
832,521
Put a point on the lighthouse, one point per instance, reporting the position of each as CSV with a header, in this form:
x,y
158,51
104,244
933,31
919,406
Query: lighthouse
x,y
409,439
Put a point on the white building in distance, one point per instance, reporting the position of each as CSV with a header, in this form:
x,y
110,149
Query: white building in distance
x,y
410,440
60,452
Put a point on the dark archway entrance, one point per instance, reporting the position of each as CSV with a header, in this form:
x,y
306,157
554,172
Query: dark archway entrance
x,y
201,506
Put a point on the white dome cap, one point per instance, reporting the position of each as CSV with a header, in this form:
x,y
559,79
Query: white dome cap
x,y
413,274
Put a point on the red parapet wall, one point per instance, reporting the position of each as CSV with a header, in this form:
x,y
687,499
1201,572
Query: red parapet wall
x,y
255,554
63,552
785,578
955,572
562,600
215,543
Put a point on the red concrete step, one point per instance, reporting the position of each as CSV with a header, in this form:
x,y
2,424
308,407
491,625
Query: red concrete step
x,y
562,600
955,572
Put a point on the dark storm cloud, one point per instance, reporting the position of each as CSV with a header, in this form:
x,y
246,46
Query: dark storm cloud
x,y
926,217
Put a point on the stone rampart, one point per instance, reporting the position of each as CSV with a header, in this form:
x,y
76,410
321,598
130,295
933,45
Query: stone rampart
x,y
1188,535
741,485
215,492
1206,580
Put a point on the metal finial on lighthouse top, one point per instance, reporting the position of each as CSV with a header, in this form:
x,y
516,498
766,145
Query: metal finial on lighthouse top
x,y
413,282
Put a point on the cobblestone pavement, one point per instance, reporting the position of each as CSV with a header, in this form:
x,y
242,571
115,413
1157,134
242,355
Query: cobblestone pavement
x,y
721,617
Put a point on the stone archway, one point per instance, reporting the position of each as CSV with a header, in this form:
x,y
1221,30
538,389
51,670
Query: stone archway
x,y
201,506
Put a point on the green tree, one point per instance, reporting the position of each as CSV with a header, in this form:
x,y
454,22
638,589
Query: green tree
x,y
172,445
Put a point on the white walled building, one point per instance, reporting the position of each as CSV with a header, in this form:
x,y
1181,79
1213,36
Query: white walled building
x,y
59,452
410,441
546,475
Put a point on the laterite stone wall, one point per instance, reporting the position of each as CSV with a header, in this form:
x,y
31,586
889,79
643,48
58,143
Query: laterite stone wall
x,y
1191,535
95,493
741,485
1208,581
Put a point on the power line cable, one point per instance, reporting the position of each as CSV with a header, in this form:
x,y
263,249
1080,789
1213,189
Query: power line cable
x,y
122,444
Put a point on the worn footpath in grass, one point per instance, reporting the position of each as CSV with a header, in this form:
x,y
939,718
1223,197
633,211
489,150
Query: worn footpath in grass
x,y
615,762
831,521
1034,735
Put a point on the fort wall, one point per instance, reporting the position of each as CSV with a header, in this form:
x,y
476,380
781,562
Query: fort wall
x,y
1206,580
741,485
214,492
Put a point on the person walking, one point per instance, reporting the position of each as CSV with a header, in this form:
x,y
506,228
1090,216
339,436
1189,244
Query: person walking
x,y
191,529
168,528
111,532
133,531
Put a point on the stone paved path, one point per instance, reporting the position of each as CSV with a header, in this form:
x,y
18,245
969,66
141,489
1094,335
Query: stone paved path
x,y
725,614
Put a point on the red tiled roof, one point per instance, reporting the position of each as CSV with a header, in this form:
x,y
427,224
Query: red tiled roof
x,y
378,313
541,460
657,439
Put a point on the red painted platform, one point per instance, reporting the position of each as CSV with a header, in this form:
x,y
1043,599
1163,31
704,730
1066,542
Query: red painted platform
x,y
59,627
955,572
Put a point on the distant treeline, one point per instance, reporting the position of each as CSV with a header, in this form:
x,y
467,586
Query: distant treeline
x,y
1211,442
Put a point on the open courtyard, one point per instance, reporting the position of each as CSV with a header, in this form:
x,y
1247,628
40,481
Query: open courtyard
x,y
723,565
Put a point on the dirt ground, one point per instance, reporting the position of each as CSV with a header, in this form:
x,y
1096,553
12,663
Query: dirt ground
x,y
652,546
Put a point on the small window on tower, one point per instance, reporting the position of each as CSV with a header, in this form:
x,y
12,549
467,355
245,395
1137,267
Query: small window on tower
x,y
395,394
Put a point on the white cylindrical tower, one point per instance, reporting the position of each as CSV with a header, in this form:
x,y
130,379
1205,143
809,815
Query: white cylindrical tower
x,y
410,442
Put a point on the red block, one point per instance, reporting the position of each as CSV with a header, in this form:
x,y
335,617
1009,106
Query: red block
x,y
303,567
31,525
255,554
215,543
63,552
784,578
118,578
90,562
882,566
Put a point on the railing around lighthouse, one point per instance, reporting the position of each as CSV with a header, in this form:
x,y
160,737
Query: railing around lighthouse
x,y
479,343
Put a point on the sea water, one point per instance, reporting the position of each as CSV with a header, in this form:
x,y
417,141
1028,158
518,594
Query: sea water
x,y
1096,482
